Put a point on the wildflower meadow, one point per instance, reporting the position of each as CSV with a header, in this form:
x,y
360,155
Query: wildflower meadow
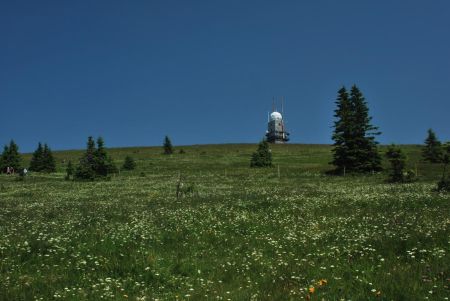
x,y
290,232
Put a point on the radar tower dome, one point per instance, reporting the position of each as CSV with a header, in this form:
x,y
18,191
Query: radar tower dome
x,y
276,130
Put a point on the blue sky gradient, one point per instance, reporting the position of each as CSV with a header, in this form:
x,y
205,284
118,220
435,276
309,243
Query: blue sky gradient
x,y
206,71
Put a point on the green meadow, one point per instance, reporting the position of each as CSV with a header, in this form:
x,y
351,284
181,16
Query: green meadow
x,y
290,232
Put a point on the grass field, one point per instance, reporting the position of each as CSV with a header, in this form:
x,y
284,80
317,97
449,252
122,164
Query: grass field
x,y
243,234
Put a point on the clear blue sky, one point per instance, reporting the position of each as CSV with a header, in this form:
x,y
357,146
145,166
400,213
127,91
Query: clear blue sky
x,y
205,71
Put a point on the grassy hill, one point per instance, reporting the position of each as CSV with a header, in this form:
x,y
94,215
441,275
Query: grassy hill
x,y
239,234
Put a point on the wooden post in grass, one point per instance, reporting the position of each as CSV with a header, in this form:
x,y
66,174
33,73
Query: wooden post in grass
x,y
179,184
278,170
344,171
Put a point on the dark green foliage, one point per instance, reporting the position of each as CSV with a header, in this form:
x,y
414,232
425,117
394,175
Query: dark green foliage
x,y
95,162
355,148
398,162
36,159
168,148
69,170
129,163
444,183
432,151
181,151
42,160
10,157
263,156
101,164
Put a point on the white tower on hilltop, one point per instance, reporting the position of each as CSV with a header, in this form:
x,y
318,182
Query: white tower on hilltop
x,y
276,130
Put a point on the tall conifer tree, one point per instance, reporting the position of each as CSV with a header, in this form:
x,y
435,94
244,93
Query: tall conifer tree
x,y
36,159
48,161
168,148
10,156
365,147
355,148
432,151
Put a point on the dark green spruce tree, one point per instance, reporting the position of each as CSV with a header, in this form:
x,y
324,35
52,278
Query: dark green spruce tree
x,y
95,162
444,183
10,157
168,148
342,156
263,156
69,170
86,167
36,160
48,161
355,148
101,158
365,147
129,163
397,159
432,151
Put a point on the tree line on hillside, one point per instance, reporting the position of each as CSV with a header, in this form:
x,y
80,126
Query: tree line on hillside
x,y
355,150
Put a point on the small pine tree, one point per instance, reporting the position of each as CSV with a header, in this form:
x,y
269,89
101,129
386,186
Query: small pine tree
x,y
69,170
432,151
129,163
36,159
48,162
10,156
444,183
111,167
86,168
101,158
263,155
168,148
398,163
95,162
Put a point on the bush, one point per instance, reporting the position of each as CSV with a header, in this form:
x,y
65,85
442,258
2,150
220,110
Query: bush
x,y
443,185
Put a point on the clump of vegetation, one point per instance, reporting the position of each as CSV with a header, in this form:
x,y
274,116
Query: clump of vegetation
x,y
10,157
42,159
129,163
95,162
444,183
432,151
263,155
184,189
168,148
181,151
355,148
397,159
69,170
